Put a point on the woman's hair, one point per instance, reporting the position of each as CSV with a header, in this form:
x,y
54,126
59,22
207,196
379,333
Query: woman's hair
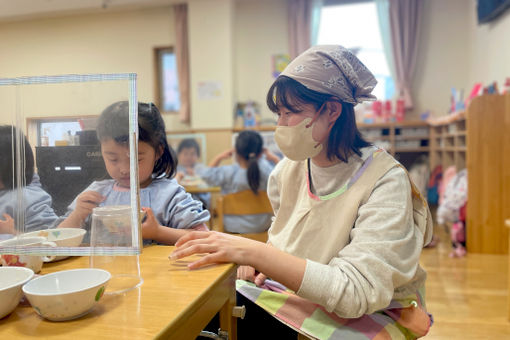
x,y
9,135
344,138
249,146
114,124
188,143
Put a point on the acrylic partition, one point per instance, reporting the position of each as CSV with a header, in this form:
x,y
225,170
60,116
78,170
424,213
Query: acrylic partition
x,y
51,154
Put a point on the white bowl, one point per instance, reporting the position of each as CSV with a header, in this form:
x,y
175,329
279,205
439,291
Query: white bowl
x,y
11,280
67,294
63,237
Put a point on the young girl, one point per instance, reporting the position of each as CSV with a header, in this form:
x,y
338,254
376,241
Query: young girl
x,y
250,172
188,153
38,212
349,224
170,210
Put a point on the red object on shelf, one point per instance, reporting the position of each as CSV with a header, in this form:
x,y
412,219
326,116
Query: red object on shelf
x,y
387,111
400,110
377,108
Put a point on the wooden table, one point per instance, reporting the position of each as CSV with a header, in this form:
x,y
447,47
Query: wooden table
x,y
172,303
194,189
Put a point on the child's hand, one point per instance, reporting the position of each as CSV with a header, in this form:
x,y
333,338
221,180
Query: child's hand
x,y
220,157
7,225
179,176
271,156
150,226
226,154
85,202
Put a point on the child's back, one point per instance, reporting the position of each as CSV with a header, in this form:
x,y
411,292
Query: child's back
x,y
250,173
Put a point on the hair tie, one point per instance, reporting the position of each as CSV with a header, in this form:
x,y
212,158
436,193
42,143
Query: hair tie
x,y
251,155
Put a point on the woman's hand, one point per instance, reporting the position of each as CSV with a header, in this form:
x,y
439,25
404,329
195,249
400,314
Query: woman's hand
x,y
219,248
248,273
271,156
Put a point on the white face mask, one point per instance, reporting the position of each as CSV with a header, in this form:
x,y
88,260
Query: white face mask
x,y
296,142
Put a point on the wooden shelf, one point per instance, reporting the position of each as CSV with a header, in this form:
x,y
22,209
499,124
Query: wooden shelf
x,y
448,143
419,149
400,137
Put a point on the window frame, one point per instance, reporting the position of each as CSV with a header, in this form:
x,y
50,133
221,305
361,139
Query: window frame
x,y
158,81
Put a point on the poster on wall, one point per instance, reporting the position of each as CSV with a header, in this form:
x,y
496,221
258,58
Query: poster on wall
x,y
280,62
208,90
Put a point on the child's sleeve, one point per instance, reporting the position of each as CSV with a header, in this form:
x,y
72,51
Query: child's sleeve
x,y
179,209
216,176
38,214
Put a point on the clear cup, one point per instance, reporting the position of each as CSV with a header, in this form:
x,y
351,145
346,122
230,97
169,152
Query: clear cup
x,y
112,229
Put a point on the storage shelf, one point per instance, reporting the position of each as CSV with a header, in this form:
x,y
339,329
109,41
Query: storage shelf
x,y
419,149
400,137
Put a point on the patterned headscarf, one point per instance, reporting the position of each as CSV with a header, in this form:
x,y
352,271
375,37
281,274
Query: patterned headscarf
x,y
334,70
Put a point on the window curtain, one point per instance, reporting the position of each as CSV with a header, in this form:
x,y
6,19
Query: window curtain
x,y
299,26
405,22
182,58
383,14
316,20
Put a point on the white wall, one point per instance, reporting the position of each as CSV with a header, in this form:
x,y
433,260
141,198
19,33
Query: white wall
x,y
443,60
211,59
489,48
91,43
260,32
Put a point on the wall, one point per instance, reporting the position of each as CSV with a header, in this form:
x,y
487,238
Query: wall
x,y
260,32
92,43
442,56
211,60
489,48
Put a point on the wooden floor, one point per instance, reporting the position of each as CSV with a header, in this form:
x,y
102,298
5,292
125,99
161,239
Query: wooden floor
x,y
467,296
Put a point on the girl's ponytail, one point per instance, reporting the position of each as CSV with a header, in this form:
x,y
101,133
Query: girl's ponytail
x,y
253,173
249,147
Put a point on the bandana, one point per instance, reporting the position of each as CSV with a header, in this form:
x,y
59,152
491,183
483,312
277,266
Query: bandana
x,y
334,70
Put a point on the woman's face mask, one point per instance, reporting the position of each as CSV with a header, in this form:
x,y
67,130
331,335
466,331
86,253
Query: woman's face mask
x,y
296,142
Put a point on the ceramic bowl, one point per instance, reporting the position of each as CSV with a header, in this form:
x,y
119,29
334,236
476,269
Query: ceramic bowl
x,y
67,294
63,237
11,280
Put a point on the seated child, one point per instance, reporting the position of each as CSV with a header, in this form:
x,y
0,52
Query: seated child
x,y
188,153
170,210
38,213
250,172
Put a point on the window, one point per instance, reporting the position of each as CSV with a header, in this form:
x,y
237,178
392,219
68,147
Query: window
x,y
50,131
167,90
356,27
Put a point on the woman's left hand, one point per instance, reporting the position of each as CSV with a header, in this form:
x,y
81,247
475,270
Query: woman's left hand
x,y
219,247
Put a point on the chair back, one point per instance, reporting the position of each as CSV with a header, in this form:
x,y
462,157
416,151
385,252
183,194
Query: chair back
x,y
243,203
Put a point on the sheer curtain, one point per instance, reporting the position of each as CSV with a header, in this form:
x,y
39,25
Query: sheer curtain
x,y
302,15
182,56
405,21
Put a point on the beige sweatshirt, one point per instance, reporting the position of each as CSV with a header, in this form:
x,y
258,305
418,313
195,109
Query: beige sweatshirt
x,y
379,261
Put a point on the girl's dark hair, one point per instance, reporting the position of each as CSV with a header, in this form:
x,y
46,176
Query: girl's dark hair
x,y
344,138
188,143
249,146
114,124
10,136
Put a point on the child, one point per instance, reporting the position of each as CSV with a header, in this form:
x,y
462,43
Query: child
x,y
188,167
170,210
250,172
37,203
349,226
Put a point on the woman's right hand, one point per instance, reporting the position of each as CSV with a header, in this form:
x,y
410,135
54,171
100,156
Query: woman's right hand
x,y
248,273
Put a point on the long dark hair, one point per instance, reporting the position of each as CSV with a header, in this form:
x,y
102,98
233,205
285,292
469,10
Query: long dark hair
x,y
9,136
249,146
114,123
344,138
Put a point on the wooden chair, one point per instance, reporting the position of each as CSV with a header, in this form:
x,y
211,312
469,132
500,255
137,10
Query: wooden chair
x,y
243,203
